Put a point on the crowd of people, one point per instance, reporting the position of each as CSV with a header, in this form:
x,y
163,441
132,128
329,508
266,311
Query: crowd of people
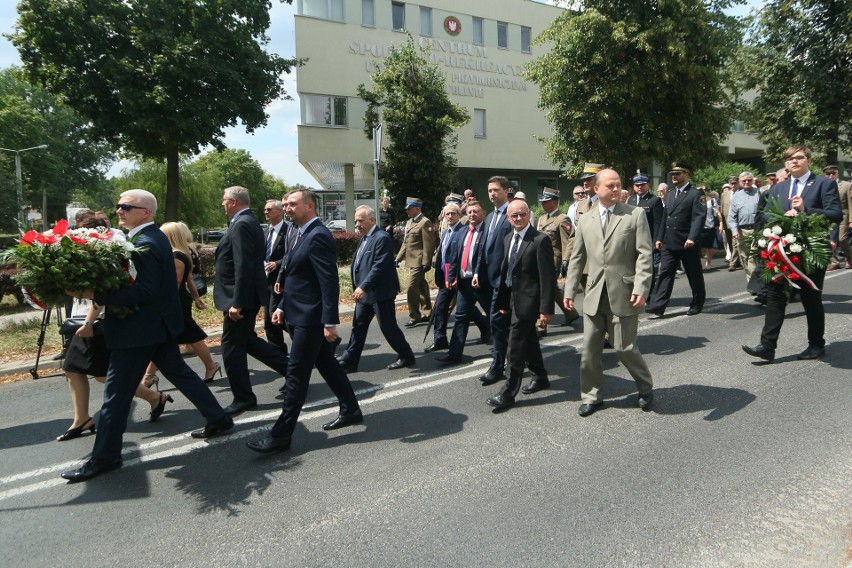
x,y
494,265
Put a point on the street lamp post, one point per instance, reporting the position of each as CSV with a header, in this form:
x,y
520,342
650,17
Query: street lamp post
x,y
19,182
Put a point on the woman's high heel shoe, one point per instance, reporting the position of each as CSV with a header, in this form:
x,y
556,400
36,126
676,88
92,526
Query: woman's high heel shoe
x,y
78,431
217,369
158,410
151,380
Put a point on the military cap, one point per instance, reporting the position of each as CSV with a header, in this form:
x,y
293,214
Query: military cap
x,y
549,194
591,170
830,168
455,198
680,167
640,178
413,202
521,195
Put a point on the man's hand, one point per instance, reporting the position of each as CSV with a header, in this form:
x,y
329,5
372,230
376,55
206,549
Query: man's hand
x,y
637,301
277,317
475,281
798,204
564,270
330,333
269,266
545,318
277,288
235,314
568,303
658,245
427,267
85,331
689,244
452,285
737,236
199,303
358,294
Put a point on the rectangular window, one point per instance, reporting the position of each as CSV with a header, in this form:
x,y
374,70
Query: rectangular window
x,y
478,35
321,110
325,9
503,35
368,13
479,122
398,14
425,21
526,39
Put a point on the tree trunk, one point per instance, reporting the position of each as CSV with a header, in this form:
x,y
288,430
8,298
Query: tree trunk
x,y
172,183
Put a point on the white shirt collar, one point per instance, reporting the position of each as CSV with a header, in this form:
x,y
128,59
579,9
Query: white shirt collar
x,y
522,232
132,233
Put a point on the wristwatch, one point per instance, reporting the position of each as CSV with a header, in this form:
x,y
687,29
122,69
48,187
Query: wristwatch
x,y
88,323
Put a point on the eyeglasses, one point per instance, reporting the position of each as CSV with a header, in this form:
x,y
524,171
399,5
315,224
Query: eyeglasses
x,y
581,193
267,210
128,207
747,180
518,215
796,158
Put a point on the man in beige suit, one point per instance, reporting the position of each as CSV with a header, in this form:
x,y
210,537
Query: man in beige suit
x,y
615,241
418,247
845,190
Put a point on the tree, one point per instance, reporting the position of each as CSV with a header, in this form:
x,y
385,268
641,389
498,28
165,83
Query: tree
x,y
156,77
625,82
798,59
419,121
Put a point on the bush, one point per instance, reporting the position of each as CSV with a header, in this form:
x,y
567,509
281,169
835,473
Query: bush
x,y
208,263
8,241
8,284
347,245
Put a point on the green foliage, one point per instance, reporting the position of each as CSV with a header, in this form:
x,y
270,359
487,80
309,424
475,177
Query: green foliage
x,y
155,77
798,58
419,120
625,82
347,246
716,175
8,284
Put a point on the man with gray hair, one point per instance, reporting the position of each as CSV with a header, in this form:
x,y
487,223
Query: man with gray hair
x,y
448,249
275,237
741,220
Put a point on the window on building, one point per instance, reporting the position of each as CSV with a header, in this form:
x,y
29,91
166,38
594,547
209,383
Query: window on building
x,y
425,21
479,122
325,9
368,13
398,13
322,110
503,35
478,35
526,38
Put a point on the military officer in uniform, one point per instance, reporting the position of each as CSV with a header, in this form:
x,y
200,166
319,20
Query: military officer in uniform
x,y
557,227
653,207
418,247
839,235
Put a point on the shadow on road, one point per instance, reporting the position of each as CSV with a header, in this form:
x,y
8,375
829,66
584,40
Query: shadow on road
x,y
718,402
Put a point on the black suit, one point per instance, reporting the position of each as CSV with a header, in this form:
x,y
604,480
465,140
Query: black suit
x,y
654,212
496,227
276,249
683,219
374,271
146,334
820,196
241,283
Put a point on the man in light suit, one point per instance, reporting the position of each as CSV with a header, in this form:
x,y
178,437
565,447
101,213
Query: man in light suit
x,y
614,240
527,291
310,304
240,291
839,235
446,252
376,286
802,192
144,335
275,237
418,247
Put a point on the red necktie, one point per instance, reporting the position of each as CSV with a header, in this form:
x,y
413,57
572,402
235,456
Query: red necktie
x,y
466,253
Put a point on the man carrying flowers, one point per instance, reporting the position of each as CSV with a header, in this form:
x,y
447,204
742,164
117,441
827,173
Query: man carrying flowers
x,y
794,248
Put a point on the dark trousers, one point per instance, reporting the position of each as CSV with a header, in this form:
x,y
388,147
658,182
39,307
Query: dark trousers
x,y
274,333
525,348
240,340
126,367
466,310
385,312
669,260
499,333
309,349
442,312
776,307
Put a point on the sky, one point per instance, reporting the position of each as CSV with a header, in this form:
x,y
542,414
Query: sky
x,y
275,146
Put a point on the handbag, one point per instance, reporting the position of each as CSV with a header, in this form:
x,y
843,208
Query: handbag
x,y
200,284
72,324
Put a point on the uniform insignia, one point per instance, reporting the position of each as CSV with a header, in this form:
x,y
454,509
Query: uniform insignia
x,y
703,200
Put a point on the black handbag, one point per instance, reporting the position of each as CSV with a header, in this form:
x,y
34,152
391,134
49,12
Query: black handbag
x,y
200,284
72,324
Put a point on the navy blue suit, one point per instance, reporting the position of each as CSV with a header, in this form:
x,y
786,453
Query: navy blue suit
x,y
446,251
241,283
374,271
468,296
496,228
311,295
146,334
274,333
820,196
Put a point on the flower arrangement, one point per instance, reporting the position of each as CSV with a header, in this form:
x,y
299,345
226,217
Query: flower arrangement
x,y
792,247
71,259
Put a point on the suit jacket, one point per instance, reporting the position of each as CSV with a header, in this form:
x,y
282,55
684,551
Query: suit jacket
x,y
683,217
311,283
493,251
158,316
533,277
278,247
455,268
240,280
654,210
444,264
375,272
844,188
620,262
557,228
820,195
418,245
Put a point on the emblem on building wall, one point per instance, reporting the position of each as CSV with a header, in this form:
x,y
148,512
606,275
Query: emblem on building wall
x,y
452,25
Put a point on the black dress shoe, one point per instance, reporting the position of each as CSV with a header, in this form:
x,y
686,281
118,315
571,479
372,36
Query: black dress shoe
x,y
491,377
215,428
344,420
693,311
535,385
347,366
760,351
570,319
449,359
413,322
401,362
811,352
90,469
269,444
760,299
501,401
646,400
237,407
437,346
657,312
589,409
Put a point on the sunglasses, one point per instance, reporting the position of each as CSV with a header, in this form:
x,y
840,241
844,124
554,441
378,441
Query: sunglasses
x,y
128,207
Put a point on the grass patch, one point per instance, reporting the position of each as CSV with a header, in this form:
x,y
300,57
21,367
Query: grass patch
x,y
19,340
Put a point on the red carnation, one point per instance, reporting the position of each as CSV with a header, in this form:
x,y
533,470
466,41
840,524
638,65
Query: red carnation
x,y
785,268
764,255
770,266
795,259
78,240
61,227
795,276
29,238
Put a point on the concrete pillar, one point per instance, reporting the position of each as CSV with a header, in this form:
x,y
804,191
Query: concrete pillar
x,y
349,189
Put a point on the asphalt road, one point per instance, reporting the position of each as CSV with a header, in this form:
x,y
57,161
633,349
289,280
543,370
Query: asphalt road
x,y
739,464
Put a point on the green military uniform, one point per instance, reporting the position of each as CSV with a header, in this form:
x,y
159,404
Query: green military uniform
x,y
556,226
418,248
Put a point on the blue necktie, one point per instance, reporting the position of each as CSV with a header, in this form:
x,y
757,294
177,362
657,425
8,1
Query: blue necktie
x,y
269,243
795,190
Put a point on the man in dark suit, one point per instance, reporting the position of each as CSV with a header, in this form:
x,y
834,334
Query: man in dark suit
x,y
677,239
275,237
311,296
445,253
240,291
376,286
527,291
654,210
802,192
489,264
144,335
